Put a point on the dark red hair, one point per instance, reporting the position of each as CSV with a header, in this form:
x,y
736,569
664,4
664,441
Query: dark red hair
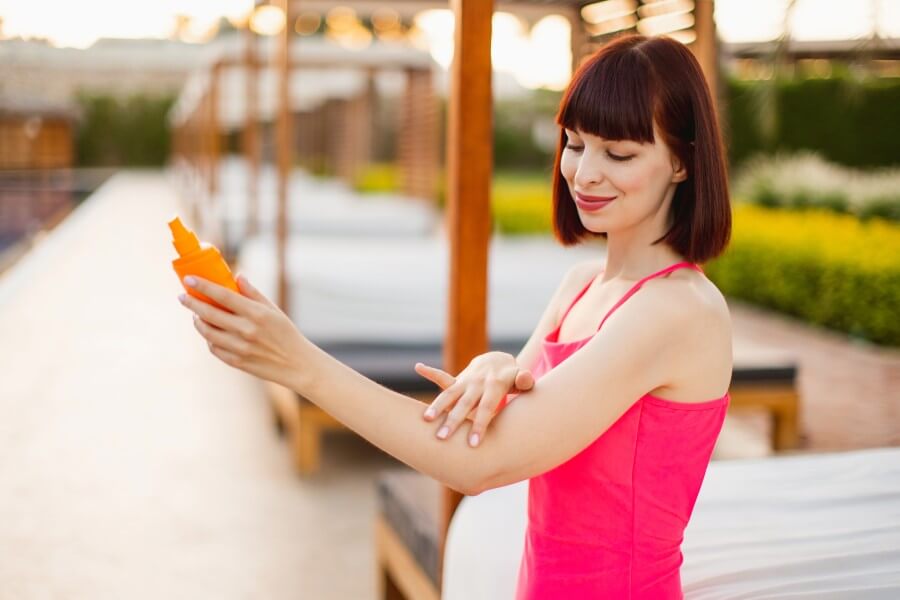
x,y
618,93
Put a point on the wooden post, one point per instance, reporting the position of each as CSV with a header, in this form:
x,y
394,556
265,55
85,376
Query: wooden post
x,y
204,125
214,133
213,226
704,46
251,129
579,41
468,216
283,149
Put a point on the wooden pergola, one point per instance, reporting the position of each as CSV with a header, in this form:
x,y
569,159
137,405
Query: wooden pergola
x,y
201,118
469,166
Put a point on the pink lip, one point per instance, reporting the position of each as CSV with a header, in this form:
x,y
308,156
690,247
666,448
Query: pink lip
x,y
585,198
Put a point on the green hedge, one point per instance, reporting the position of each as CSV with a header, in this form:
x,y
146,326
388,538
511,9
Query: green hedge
x,y
828,269
846,120
123,131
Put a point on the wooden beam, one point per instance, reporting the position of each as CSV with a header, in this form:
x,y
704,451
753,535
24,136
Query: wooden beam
x,y
251,129
704,47
468,216
283,151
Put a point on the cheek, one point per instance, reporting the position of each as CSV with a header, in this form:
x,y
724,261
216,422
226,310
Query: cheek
x,y
568,166
636,178
628,177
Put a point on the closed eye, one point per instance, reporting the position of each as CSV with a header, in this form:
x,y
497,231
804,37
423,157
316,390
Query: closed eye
x,y
615,157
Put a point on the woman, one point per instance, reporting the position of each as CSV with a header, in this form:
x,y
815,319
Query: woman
x,y
616,430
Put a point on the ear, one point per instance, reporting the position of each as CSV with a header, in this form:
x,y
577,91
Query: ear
x,y
679,172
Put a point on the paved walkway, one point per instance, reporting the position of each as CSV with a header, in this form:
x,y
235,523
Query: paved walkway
x,y
134,465
850,390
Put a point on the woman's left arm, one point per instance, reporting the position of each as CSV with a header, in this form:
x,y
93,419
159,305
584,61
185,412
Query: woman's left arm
x,y
566,409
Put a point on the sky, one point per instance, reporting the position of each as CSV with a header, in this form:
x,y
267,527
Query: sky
x,y
544,49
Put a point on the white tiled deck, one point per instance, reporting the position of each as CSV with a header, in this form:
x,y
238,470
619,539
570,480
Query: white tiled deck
x,y
132,463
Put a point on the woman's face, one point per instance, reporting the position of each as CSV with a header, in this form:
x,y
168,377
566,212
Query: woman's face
x,y
639,178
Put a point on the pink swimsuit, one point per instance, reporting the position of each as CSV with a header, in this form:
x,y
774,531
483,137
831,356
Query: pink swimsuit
x,y
608,523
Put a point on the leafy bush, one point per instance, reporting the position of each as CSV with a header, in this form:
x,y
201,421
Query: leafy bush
x,y
805,180
378,177
828,269
129,131
521,203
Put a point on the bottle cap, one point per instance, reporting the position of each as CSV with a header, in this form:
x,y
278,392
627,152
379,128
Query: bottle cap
x,y
184,240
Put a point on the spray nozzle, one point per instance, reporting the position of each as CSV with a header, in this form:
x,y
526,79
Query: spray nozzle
x,y
184,240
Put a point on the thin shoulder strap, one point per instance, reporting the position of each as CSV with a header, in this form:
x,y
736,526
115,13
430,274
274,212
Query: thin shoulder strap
x,y
638,285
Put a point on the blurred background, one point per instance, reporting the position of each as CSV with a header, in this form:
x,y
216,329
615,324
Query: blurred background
x,y
307,141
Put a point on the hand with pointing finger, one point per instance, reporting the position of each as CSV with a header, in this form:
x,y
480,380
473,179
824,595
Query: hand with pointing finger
x,y
479,392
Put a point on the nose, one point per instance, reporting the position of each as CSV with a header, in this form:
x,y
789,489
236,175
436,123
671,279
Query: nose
x,y
589,173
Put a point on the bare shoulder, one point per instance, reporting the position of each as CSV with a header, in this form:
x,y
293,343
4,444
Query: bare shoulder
x,y
700,343
694,294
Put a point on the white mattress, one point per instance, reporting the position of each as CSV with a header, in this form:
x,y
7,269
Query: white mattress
x,y
318,206
350,289
821,526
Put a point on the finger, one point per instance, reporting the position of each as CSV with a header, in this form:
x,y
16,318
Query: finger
x,y
524,380
230,299
249,290
444,401
221,338
229,358
494,394
211,314
456,416
435,375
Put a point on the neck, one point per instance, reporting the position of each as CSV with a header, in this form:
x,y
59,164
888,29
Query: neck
x,y
630,254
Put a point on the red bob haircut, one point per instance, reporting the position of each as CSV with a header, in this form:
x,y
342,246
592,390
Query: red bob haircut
x,y
618,94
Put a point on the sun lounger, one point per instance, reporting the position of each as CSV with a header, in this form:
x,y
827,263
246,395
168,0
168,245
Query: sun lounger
x,y
804,526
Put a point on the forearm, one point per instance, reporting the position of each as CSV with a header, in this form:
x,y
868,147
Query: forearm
x,y
387,419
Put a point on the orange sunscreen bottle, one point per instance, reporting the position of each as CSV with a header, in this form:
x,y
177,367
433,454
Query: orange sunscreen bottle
x,y
203,261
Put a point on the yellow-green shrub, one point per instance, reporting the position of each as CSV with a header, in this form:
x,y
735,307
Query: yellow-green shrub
x,y
521,204
377,177
829,269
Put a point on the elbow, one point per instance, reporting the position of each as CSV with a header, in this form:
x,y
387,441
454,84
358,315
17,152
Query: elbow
x,y
469,484
466,487
478,484
491,472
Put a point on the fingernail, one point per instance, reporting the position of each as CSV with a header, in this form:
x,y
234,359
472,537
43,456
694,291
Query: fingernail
x,y
473,440
190,281
443,432
429,412
182,298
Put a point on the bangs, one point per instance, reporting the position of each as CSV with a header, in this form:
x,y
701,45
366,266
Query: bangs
x,y
611,96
